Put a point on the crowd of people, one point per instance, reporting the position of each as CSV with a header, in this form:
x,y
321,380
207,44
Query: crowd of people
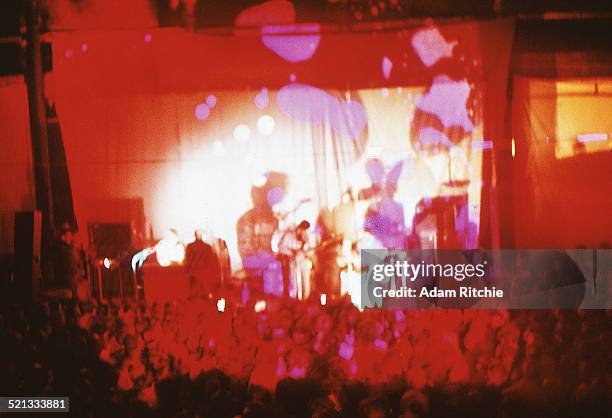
x,y
280,358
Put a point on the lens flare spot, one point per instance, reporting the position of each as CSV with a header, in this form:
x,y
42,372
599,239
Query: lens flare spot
x,y
266,125
242,133
211,100
202,111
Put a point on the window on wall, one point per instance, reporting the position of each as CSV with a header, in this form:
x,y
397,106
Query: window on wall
x,y
583,117
562,130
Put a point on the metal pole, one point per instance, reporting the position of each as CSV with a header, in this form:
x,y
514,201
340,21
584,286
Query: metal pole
x,y
38,131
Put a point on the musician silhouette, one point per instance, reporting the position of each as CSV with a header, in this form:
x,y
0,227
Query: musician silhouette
x,y
202,266
384,218
255,229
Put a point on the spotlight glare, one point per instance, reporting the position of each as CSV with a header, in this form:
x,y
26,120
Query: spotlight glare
x,y
221,305
260,305
242,133
260,181
323,299
218,149
266,125
107,263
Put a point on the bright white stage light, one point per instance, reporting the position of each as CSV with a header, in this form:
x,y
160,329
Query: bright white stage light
x,y
260,305
323,299
107,263
266,125
170,250
140,257
260,181
218,149
242,133
350,282
221,305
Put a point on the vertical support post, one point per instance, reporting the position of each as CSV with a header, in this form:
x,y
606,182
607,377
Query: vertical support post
x,y
38,131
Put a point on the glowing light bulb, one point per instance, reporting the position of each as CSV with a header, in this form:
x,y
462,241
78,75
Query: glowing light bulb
x,y
323,299
107,263
260,305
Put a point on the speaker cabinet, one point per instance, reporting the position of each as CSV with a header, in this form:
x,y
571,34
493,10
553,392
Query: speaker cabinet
x,y
26,277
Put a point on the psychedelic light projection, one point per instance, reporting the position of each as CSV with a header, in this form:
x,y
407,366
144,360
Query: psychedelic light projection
x,y
387,66
292,48
279,32
430,46
307,104
193,157
324,142
443,127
